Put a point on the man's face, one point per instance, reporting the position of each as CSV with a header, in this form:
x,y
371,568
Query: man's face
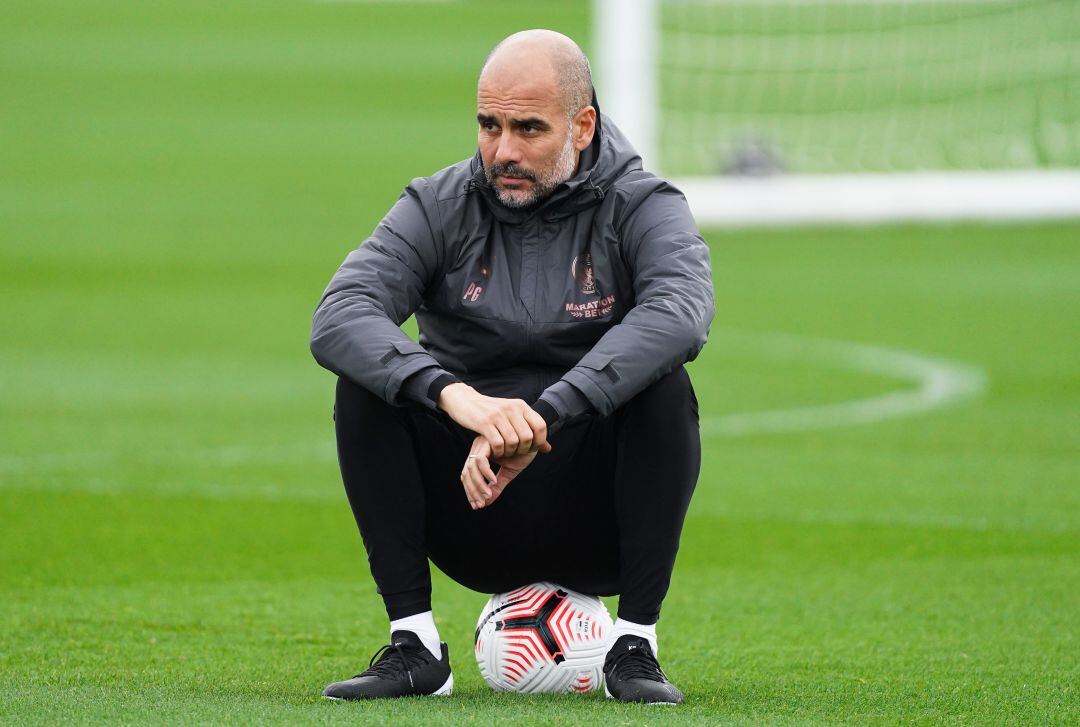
x,y
525,137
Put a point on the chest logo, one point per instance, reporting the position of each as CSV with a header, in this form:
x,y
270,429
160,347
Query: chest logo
x,y
581,271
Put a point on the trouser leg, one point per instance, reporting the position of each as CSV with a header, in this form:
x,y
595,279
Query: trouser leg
x,y
380,467
659,458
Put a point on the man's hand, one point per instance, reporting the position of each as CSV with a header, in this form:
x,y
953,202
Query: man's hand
x,y
482,485
511,426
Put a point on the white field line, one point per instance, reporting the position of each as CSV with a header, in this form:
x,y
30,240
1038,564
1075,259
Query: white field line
x,y
266,491
221,457
937,383
890,519
332,492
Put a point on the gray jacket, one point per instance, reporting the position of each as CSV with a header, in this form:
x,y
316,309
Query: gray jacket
x,y
586,299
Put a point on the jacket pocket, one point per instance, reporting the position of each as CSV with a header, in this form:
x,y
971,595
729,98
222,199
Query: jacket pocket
x,y
404,348
601,362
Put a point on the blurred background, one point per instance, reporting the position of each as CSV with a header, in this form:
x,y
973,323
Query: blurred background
x,y
886,526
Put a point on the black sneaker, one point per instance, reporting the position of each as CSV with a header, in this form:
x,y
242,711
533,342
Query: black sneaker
x,y
632,674
402,668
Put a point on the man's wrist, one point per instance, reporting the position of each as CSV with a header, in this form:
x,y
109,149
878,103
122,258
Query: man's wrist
x,y
424,386
449,392
434,391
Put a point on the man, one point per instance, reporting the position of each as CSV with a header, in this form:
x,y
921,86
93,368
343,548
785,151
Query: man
x,y
558,290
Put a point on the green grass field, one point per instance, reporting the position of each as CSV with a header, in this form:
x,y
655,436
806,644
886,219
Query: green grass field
x,y
178,183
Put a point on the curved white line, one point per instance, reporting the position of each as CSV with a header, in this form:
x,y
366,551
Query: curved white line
x,y
938,383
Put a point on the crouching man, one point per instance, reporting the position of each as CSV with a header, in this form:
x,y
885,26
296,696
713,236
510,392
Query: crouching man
x,y
544,428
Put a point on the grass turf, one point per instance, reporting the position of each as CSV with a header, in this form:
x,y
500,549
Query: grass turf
x,y
178,185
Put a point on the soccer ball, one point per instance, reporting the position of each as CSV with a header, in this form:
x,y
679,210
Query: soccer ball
x,y
543,638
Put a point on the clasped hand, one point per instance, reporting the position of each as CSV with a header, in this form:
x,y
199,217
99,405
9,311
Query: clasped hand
x,y
508,431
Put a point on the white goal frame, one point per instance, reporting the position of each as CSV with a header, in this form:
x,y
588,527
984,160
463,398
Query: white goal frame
x,y
626,52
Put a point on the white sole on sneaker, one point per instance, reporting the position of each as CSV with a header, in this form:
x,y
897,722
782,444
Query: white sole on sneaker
x,y
609,695
444,691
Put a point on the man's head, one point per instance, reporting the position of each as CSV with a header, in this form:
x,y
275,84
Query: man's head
x,y
533,107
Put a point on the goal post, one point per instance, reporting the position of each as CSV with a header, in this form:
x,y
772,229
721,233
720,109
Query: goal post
x,y
627,37
794,111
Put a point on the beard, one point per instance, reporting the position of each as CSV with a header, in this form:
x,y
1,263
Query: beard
x,y
543,184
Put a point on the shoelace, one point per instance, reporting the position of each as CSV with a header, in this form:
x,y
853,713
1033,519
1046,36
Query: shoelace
x,y
392,660
637,663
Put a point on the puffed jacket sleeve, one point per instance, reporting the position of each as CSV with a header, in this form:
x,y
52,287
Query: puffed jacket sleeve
x,y
673,294
356,330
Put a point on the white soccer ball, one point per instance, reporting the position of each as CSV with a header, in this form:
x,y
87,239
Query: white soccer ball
x,y
543,639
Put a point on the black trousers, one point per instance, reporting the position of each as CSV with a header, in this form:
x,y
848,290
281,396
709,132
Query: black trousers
x,y
601,513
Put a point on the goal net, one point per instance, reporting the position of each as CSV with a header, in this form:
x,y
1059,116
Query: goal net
x,y
944,100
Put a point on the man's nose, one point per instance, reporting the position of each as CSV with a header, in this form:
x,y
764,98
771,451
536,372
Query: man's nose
x,y
507,151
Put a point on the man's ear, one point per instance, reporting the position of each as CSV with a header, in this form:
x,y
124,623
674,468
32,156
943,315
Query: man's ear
x,y
584,127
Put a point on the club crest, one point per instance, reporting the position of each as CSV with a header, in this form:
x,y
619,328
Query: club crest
x,y
581,270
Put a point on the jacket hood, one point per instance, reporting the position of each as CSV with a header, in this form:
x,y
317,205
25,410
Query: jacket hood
x,y
609,157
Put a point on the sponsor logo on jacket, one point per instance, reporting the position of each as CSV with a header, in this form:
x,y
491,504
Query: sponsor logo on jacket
x,y
592,309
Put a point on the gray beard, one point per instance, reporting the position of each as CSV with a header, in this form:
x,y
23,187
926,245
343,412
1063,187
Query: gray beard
x,y
543,185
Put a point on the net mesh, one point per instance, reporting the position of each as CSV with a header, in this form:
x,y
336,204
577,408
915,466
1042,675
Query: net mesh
x,y
812,86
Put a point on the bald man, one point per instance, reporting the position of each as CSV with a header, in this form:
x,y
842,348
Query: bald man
x,y
544,427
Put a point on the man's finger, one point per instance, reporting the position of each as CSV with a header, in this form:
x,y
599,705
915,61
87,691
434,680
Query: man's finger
x,y
478,469
525,435
486,471
483,482
544,448
465,483
539,427
481,446
473,496
495,440
476,478
509,440
471,478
